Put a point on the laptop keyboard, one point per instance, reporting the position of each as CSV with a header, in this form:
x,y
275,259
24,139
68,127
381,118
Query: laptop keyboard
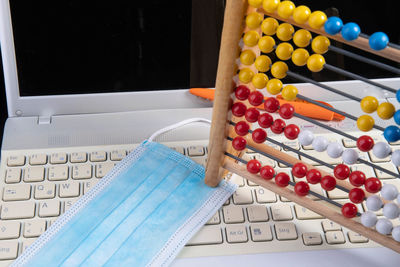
x,y
39,186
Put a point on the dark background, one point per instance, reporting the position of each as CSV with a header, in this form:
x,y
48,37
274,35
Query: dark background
x,y
207,18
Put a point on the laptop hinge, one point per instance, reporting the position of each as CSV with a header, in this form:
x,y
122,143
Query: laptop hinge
x,y
44,120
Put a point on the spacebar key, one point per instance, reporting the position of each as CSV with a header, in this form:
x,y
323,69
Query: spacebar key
x,y
206,236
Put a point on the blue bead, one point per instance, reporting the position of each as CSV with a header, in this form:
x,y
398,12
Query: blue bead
x,y
350,31
333,25
392,133
398,95
378,41
396,117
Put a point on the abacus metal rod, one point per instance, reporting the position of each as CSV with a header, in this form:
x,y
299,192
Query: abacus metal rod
x,y
378,167
357,77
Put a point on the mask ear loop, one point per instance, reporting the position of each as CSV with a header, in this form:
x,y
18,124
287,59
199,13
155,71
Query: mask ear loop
x,y
177,125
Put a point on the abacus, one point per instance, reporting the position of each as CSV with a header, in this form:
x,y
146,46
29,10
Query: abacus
x,y
236,108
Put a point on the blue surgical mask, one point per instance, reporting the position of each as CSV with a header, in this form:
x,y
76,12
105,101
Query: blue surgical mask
x,y
141,213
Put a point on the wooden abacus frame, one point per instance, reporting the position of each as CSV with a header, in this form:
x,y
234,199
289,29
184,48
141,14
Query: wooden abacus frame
x,y
218,163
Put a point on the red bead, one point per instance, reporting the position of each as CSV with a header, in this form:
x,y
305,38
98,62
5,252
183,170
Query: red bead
x,y
356,195
299,170
271,104
242,92
259,135
278,126
357,178
267,172
373,185
282,179
252,114
239,143
349,210
365,143
301,188
256,98
265,120
341,171
253,166
242,128
313,176
328,183
286,111
239,109
291,131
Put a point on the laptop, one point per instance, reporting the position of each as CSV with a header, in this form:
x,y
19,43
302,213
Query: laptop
x,y
87,82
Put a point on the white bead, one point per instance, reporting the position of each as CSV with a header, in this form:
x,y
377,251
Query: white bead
x,y
368,219
396,233
334,150
389,192
305,138
374,203
391,210
384,226
381,150
396,158
320,143
398,199
350,156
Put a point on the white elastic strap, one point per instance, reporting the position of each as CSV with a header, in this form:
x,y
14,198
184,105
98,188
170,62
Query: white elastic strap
x,y
177,125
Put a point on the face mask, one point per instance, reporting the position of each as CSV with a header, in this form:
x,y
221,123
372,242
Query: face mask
x,y
142,213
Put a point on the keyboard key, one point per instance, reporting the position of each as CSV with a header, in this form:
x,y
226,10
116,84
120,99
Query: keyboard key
x,y
293,144
233,214
368,171
206,236
9,229
236,179
103,168
257,213
78,157
281,212
34,228
194,151
69,189
285,231
236,233
27,243
87,185
49,208
117,154
242,196
14,161
337,194
260,232
306,214
323,156
68,203
97,156
18,210
356,237
264,195
312,239
200,160
82,171
58,158
44,191
215,219
335,237
58,173
383,175
34,174
328,225
38,159
265,160
17,192
8,249
349,142
179,149
13,175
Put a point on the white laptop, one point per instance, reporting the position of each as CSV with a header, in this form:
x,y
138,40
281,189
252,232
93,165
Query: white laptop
x,y
82,95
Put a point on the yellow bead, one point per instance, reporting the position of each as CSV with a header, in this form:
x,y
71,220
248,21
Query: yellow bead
x,y
317,19
274,86
302,38
266,44
255,3
365,123
245,75
285,32
251,38
284,51
369,104
300,56
320,44
247,57
253,20
385,110
289,92
285,9
270,5
260,80
262,63
279,69
269,26
301,14
315,62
